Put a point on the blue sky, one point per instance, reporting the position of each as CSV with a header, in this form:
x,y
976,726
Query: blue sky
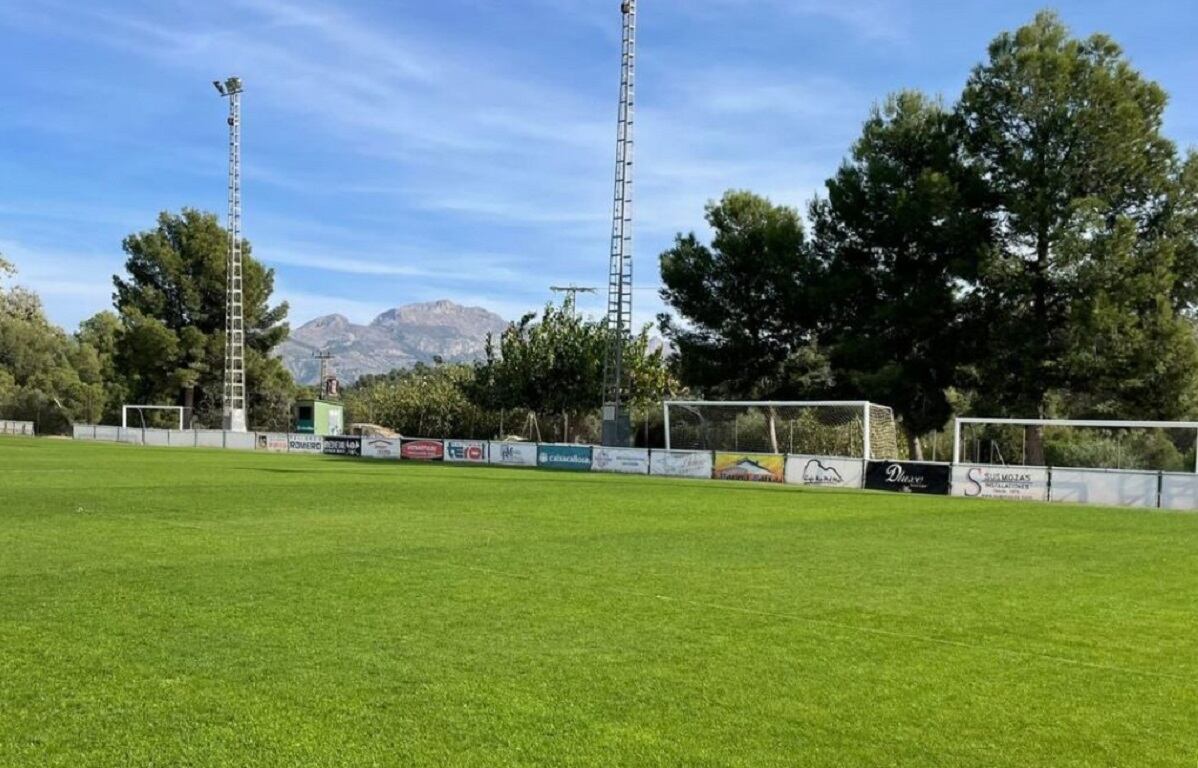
x,y
408,151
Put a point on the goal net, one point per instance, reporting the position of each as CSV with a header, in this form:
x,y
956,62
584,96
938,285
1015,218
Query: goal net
x,y
844,429
155,417
1167,446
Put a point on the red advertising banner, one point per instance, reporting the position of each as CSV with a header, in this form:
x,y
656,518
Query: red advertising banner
x,y
423,450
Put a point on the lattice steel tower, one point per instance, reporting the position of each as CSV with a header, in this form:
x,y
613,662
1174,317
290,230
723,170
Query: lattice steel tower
x,y
234,396
616,426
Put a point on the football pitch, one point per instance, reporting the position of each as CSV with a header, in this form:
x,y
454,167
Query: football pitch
x,y
199,608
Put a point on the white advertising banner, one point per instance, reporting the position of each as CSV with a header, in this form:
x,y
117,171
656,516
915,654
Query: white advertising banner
x,y
273,442
512,454
381,448
181,438
240,441
1179,491
466,451
681,463
992,482
210,438
1113,487
824,472
628,461
297,443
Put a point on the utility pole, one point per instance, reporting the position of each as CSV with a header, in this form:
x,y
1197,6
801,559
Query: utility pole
x,y
324,357
234,395
616,423
572,292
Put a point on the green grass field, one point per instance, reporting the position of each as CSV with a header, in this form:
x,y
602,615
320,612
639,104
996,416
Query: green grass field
x,y
193,608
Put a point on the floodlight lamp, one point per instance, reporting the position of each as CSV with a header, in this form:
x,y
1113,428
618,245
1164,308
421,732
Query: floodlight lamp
x,y
233,85
219,88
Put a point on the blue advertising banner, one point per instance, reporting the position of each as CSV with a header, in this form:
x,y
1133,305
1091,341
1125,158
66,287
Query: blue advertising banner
x,y
574,458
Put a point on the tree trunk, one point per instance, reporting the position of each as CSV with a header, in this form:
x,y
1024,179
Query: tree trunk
x,y
1035,447
771,416
916,447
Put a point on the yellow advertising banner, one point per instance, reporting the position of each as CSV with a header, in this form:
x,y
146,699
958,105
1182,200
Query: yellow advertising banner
x,y
753,467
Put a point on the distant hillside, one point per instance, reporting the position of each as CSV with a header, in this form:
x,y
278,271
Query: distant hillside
x,y
398,338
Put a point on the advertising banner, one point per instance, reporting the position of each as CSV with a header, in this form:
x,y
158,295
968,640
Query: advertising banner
x,y
824,472
274,442
381,448
1119,488
753,467
298,443
907,477
210,438
512,454
989,482
108,434
239,441
572,458
466,451
423,450
181,438
1179,491
628,461
681,463
342,446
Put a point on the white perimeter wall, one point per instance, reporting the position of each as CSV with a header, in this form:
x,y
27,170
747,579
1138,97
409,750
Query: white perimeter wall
x,y
1112,487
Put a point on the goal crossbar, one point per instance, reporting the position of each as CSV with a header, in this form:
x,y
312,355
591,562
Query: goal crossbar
x,y
1096,423
126,408
865,405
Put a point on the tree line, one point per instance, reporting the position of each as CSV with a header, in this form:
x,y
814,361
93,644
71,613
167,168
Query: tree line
x,y
1030,250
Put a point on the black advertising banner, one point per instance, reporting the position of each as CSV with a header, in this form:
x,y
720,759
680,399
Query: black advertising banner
x,y
907,477
343,446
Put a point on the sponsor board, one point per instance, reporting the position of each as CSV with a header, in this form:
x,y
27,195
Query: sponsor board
x,y
273,442
681,463
1120,488
572,458
752,467
298,443
466,451
628,461
380,448
907,477
983,482
423,450
337,445
824,472
512,454
1179,491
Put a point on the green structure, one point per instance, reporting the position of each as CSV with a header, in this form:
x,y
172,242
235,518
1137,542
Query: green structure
x,y
319,417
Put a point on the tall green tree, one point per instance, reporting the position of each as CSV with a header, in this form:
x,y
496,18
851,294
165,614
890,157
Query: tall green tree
x,y
553,365
45,376
172,308
747,305
1083,293
901,231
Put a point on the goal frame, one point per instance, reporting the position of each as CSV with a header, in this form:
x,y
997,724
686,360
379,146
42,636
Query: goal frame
x,y
126,408
1096,423
864,405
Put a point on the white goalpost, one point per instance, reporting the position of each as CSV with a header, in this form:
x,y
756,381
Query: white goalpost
x,y
838,428
1092,443
140,409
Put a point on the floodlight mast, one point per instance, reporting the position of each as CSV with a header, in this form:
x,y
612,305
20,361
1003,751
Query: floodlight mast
x,y
616,423
234,393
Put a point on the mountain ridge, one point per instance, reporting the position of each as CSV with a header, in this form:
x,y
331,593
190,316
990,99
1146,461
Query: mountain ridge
x,y
397,338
